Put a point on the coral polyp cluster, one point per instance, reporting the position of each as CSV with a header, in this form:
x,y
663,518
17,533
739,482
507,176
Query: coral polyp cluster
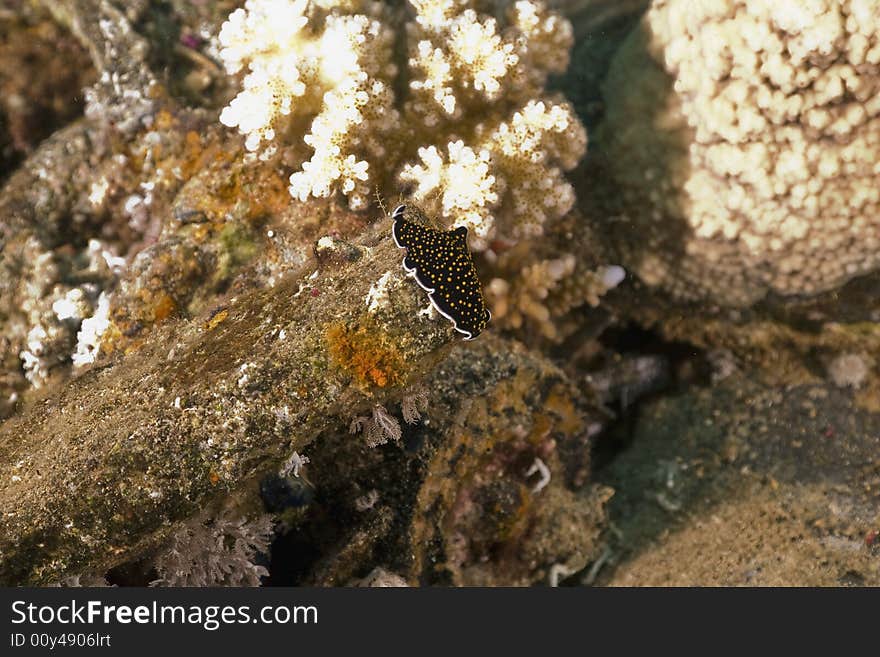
x,y
476,138
744,139
459,60
326,72
370,358
513,175
500,171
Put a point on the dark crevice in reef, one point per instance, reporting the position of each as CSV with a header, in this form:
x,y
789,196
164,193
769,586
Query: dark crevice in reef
x,y
137,573
635,367
162,29
639,366
353,508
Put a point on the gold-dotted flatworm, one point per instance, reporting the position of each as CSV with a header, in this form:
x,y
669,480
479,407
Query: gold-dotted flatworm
x,y
443,266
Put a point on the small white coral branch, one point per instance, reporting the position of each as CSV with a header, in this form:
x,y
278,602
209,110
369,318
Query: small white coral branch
x,y
546,38
306,66
467,188
293,464
377,295
217,551
88,340
379,577
539,467
379,428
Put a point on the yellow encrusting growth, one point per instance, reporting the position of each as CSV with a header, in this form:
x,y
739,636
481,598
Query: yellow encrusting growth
x,y
365,353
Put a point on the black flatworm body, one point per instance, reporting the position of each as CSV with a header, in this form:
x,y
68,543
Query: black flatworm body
x,y
442,266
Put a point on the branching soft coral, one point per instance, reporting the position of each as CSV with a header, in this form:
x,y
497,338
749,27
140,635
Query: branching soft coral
x,y
216,551
325,74
743,138
378,428
513,175
460,60
472,79
478,140
456,60
538,295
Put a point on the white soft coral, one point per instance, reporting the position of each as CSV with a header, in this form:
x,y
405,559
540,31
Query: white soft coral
x,y
477,140
463,184
513,175
306,66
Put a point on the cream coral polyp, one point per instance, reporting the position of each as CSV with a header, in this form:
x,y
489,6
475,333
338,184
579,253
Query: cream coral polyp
x,y
331,71
768,128
513,176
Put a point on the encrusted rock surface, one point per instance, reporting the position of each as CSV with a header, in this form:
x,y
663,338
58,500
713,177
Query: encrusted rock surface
x,y
203,406
463,503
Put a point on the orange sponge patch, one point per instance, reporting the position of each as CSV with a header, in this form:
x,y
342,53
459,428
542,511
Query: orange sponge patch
x,y
366,353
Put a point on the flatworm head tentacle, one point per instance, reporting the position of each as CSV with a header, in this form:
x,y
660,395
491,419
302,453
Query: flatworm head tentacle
x,y
443,266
